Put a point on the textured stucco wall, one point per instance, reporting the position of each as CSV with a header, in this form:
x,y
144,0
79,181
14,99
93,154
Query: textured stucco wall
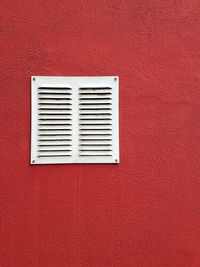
x,y
144,212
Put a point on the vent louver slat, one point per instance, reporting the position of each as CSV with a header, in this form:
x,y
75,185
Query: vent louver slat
x,y
95,122
54,122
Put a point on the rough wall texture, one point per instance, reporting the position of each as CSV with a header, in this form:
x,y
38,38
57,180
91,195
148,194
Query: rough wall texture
x,y
144,212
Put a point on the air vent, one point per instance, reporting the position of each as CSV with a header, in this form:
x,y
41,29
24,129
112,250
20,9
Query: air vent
x,y
74,120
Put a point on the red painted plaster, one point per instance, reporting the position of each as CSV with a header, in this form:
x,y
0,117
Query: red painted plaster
x,y
144,212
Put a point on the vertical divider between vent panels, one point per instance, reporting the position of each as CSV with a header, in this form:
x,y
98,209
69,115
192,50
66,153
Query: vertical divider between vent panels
x,y
75,122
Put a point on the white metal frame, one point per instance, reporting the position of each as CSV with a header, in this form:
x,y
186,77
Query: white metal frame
x,y
75,83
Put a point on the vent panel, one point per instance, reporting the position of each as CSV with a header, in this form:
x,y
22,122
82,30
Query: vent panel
x,y
54,122
95,122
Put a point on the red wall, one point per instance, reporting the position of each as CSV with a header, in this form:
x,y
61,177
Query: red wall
x,y
146,210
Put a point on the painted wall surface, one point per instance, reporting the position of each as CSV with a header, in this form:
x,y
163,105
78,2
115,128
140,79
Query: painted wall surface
x,y
144,212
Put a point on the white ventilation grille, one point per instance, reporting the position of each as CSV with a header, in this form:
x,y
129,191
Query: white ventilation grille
x,y
74,120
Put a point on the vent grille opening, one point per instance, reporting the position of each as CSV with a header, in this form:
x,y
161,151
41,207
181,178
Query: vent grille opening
x,y
95,122
54,122
74,120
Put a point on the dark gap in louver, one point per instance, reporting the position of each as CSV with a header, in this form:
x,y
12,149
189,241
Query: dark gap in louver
x,y
90,103
95,115
95,129
85,119
88,114
54,88
52,150
54,124
65,155
104,139
95,124
59,101
55,145
96,144
53,104
57,117
95,93
61,129
95,88
56,113
52,140
87,134
50,124
54,93
55,137
54,131
95,155
96,108
54,108
54,98
50,100
64,119
54,134
95,149
95,98
62,140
